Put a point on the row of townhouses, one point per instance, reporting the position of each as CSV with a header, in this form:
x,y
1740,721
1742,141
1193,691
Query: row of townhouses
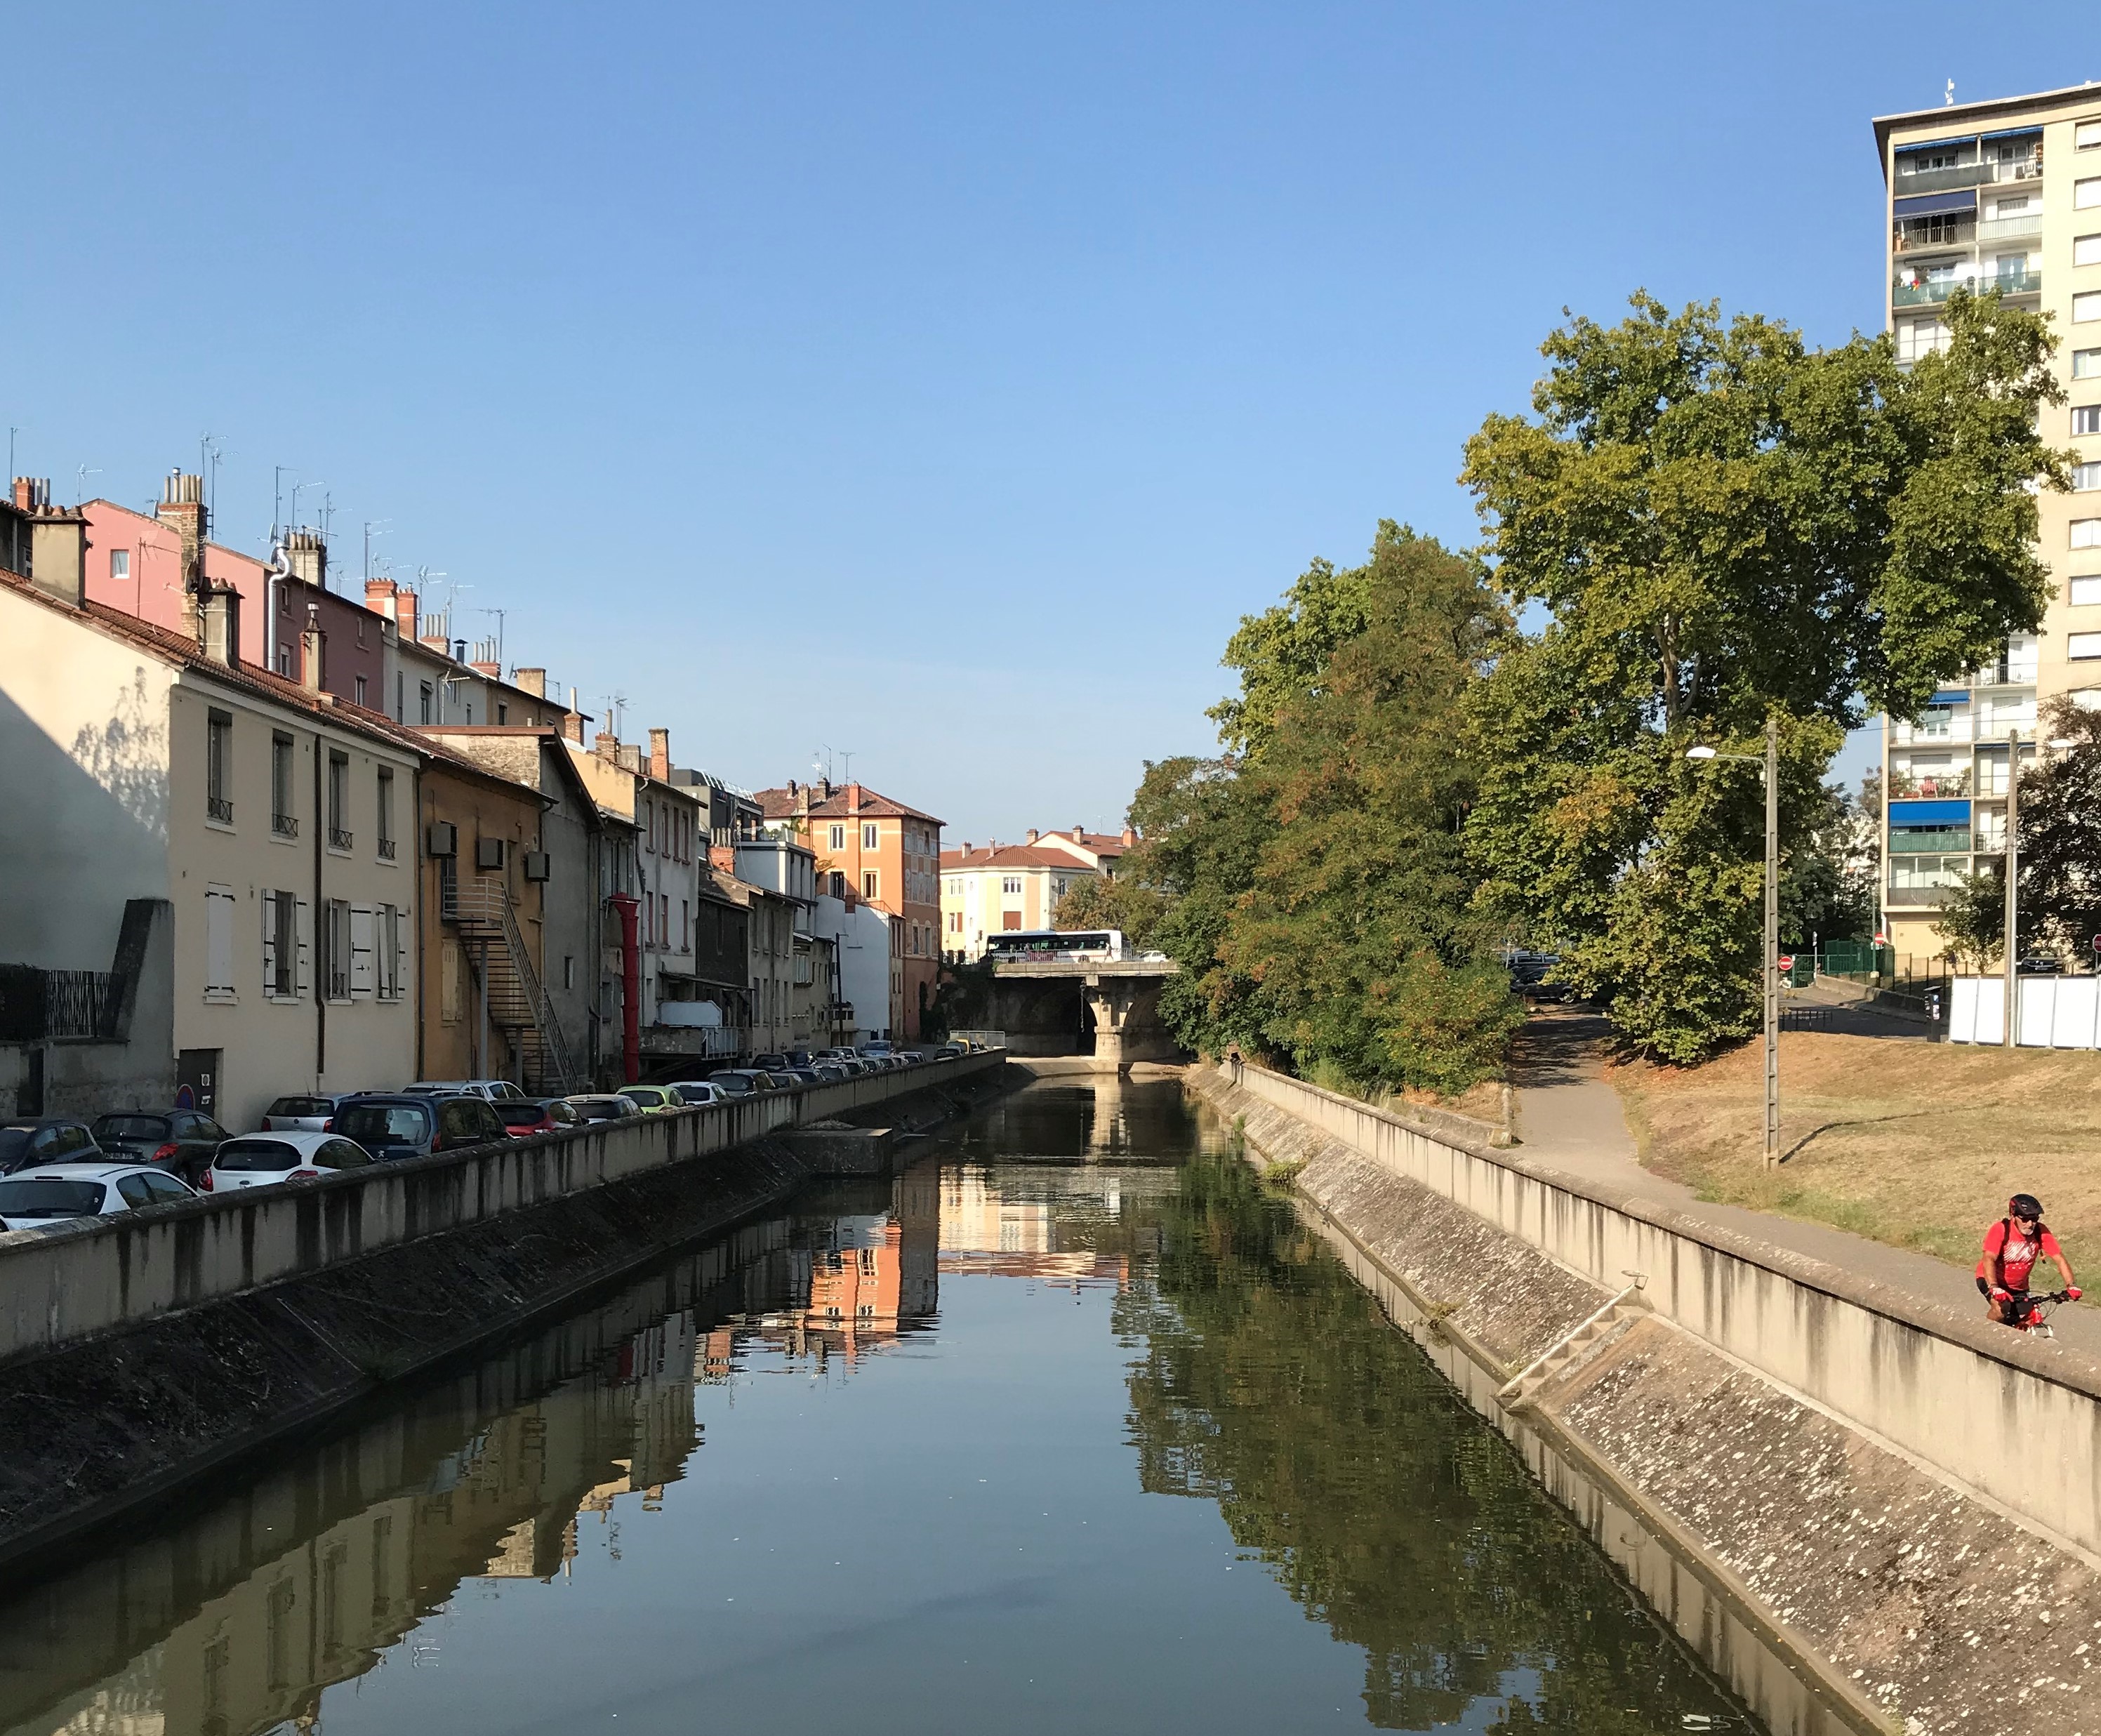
x,y
288,840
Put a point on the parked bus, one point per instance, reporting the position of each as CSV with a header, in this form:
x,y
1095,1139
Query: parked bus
x,y
1055,946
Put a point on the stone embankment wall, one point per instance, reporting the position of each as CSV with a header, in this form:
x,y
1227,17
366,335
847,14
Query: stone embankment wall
x,y
170,1344
1824,1457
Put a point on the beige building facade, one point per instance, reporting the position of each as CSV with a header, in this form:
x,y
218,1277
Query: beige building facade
x,y
2002,195
1003,888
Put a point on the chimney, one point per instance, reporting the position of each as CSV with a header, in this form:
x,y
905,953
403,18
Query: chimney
x,y
308,555
660,755
607,747
1031,836
1079,833
182,507
1130,838
791,786
630,757
573,721
379,598
57,549
404,612
220,629
533,681
31,493
490,667
311,643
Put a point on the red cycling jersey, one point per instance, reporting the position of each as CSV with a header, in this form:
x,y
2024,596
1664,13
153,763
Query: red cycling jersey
x,y
2015,1253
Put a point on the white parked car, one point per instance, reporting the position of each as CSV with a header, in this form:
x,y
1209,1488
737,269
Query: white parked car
x,y
695,1093
54,1193
257,1160
495,1090
305,1114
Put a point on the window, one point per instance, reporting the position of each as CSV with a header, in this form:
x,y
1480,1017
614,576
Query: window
x,y
955,887
2087,364
360,683
335,949
280,944
2083,645
2085,590
1012,886
391,954
2085,195
2086,419
869,837
1010,919
2086,532
363,974
955,922
338,801
663,919
685,928
452,983
120,565
2086,306
219,943
503,712
838,838
219,767
569,970
2085,478
1919,338
2087,250
1925,162
868,885
839,884
385,815
284,823
423,703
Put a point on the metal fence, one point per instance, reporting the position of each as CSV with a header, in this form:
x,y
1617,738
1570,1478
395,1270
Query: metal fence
x,y
36,1004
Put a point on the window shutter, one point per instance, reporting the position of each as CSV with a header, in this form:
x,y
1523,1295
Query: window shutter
x,y
361,949
218,939
269,902
400,954
305,930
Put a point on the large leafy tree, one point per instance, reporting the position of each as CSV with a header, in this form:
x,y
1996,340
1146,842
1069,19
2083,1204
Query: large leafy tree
x,y
1717,524
1319,894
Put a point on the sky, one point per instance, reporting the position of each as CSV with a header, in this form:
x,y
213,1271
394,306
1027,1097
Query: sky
x,y
936,384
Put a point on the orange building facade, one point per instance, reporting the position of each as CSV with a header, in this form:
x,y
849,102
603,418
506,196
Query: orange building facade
x,y
881,852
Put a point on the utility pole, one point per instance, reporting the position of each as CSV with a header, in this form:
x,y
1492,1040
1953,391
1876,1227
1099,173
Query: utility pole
x,y
1773,939
2007,1036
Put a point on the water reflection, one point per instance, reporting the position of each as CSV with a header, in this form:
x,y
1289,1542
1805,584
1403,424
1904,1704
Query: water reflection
x,y
1065,1287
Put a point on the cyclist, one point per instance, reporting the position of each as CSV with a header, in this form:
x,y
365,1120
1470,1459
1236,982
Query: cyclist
x,y
2012,1246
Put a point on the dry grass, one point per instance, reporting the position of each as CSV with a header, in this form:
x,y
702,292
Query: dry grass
x,y
1917,1145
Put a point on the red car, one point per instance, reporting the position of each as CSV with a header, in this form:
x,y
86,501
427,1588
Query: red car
x,y
524,1116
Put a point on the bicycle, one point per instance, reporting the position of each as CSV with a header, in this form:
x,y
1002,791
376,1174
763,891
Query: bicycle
x,y
2027,1312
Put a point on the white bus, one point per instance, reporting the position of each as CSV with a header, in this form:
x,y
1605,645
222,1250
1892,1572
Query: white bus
x,y
1056,946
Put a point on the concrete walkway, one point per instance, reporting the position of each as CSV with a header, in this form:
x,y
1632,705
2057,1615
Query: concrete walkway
x,y
1570,1118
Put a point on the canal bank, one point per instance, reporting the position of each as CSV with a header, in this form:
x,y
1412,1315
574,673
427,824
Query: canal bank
x,y
155,1349
1819,1455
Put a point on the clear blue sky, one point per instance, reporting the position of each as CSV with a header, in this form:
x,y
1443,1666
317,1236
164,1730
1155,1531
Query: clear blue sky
x,y
939,381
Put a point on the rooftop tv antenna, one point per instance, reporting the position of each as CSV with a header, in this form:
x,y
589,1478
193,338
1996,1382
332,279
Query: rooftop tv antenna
x,y
209,453
843,755
1949,100
373,527
615,705
499,614
86,471
12,431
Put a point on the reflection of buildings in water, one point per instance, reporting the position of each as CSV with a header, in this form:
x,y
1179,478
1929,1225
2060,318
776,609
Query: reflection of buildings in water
x,y
985,1232
1108,1123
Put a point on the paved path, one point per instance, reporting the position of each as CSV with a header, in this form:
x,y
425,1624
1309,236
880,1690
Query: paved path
x,y
1570,1118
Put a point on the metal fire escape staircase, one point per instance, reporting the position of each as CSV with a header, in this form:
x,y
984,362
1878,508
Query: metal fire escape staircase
x,y
479,907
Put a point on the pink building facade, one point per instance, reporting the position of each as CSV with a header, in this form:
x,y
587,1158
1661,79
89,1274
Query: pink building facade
x,y
136,562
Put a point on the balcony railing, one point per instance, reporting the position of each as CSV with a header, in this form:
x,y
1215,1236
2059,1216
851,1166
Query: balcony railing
x,y
339,838
386,849
1918,239
1921,840
285,826
1905,293
218,808
1932,784
2025,226
1943,180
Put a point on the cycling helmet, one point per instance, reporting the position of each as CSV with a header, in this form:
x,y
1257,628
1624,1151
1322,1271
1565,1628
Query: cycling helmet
x,y
2024,1206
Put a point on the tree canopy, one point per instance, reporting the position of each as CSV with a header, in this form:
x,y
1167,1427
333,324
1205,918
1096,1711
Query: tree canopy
x,y
1720,524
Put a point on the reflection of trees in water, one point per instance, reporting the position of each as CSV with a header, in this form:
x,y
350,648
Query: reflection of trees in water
x,y
128,756
1268,1381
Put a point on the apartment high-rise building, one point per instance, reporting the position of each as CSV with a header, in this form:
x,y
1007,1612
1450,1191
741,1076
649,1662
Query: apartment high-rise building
x,y
2002,195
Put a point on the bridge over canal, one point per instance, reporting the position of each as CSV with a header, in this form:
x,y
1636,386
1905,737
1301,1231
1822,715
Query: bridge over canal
x,y
1109,1011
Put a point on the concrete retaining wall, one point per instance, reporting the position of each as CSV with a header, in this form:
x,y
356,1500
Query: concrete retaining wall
x,y
75,1280
2016,1420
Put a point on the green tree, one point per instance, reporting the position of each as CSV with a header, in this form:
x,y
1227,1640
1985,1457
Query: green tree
x,y
1281,653
1123,903
1721,526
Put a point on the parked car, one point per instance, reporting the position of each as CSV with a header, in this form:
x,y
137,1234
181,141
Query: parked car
x,y
949,1052
302,1114
741,1081
911,1057
260,1160
770,1063
524,1116
2039,968
880,1046
652,1099
604,1105
830,1072
403,1124
495,1090
797,1076
800,1057
53,1192
694,1094
45,1139
179,1140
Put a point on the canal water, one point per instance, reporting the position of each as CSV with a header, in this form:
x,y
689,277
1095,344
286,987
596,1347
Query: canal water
x,y
1070,1427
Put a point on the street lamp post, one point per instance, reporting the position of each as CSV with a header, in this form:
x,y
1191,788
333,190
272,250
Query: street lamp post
x,y
1770,761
